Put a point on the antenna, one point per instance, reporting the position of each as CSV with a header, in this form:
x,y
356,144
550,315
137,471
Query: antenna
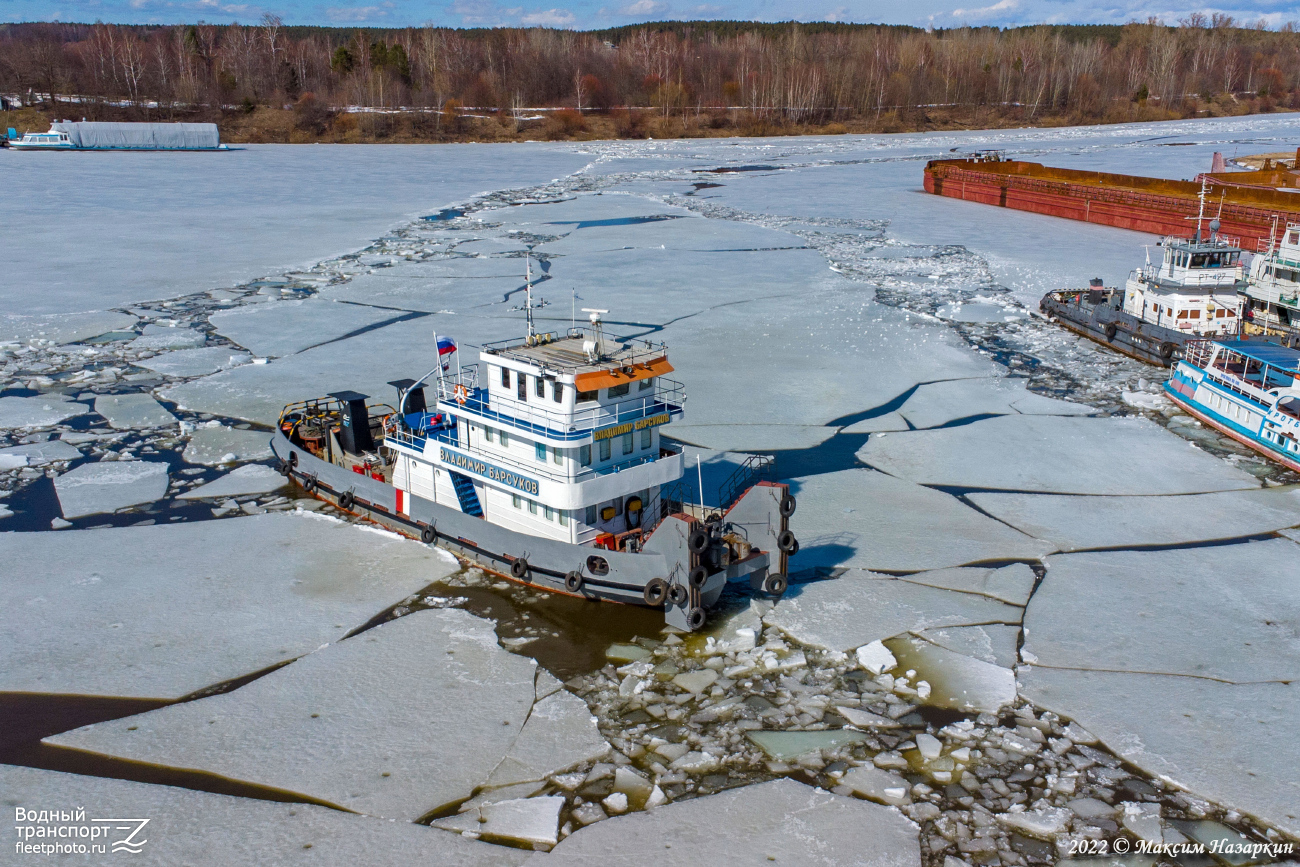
x,y
594,349
529,306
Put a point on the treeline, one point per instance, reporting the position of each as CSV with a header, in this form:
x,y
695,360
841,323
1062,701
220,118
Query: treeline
x,y
788,73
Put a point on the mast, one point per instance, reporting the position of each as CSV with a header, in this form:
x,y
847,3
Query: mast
x,y
528,302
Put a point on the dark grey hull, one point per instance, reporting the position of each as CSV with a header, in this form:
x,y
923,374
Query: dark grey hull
x,y
547,564
1116,329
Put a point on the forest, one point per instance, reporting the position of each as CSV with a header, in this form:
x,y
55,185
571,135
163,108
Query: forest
x,y
273,82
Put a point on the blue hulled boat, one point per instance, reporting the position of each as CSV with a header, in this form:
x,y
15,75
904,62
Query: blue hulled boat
x,y
1246,389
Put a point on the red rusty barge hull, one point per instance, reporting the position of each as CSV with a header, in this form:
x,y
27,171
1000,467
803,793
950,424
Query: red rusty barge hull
x,y
1153,205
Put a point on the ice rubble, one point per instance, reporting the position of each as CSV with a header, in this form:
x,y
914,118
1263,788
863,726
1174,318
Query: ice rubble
x,y
941,403
865,519
248,479
1131,611
41,411
287,327
132,411
191,827
329,727
217,445
195,362
1056,455
109,485
781,821
1079,523
162,611
860,607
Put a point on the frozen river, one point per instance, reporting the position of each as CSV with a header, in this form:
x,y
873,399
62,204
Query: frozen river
x,y
1035,607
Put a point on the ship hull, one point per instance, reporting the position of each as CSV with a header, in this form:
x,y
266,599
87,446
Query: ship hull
x,y
1208,417
548,564
1117,330
1154,205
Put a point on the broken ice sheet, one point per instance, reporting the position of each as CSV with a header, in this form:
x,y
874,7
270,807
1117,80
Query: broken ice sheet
x,y
195,362
781,821
326,726
994,643
248,479
63,328
40,411
865,519
1230,743
157,338
860,607
1054,454
1079,523
528,821
286,327
108,486
956,681
132,411
790,745
939,403
190,827
1135,610
35,454
218,445
163,611
1011,584
560,732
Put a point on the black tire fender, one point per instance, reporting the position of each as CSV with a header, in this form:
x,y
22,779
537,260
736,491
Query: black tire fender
x,y
655,592
787,542
286,469
519,569
1110,330
293,459
309,484
573,582
788,505
428,535
677,594
346,500
695,619
775,585
1167,350
698,577
698,540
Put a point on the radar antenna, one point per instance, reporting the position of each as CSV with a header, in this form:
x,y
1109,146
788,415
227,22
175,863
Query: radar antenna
x,y
594,348
529,306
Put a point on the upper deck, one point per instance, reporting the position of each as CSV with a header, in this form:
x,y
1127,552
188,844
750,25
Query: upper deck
x,y
1195,264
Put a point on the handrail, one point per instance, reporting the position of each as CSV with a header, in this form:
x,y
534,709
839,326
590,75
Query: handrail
x,y
667,396
754,468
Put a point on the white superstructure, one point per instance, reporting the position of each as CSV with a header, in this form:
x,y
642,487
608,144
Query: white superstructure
x,y
554,435
1273,287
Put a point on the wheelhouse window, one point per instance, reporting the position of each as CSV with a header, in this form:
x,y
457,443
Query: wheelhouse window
x,y
539,386
618,390
587,395
505,377
522,383
557,391
604,450
646,384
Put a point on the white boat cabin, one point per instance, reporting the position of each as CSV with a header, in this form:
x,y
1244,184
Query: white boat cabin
x,y
553,436
1193,289
1273,287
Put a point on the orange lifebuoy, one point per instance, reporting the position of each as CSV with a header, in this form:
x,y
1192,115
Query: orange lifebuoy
x,y
462,394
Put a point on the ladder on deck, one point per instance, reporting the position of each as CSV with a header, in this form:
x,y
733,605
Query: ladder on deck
x,y
465,492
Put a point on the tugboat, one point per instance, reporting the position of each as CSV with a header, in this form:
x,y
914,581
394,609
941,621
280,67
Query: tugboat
x,y
1273,287
1247,390
543,463
1193,293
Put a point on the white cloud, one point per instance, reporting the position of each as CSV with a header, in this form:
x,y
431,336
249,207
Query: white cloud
x,y
986,11
549,18
643,7
354,14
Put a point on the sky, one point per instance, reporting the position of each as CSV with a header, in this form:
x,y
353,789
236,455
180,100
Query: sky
x,y
592,14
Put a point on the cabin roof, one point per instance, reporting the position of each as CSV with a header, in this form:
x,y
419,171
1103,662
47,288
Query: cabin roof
x,y
1278,357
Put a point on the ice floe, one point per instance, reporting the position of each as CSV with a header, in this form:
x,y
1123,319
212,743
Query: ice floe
x,y
190,827
781,821
865,519
1055,455
955,680
60,328
860,607
993,643
163,611
109,485
41,411
287,327
195,362
218,445
940,403
335,725
156,338
1011,584
1079,522
560,732
534,822
40,453
248,479
132,411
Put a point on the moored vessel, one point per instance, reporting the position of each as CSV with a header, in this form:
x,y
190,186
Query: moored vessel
x,y
1192,293
99,136
1272,290
1246,390
542,462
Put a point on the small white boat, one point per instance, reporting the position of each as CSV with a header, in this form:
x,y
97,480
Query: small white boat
x,y
54,140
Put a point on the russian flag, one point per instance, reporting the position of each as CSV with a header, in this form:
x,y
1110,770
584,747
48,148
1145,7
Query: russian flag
x,y
445,345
